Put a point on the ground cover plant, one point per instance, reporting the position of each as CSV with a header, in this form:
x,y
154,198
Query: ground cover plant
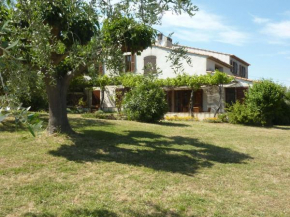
x,y
125,168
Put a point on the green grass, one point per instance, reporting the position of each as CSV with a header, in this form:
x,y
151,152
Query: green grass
x,y
123,168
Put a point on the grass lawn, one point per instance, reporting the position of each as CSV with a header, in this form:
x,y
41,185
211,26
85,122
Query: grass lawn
x,y
122,168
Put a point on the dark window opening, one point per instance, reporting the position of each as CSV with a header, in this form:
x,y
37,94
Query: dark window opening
x,y
180,100
235,94
242,71
235,67
219,68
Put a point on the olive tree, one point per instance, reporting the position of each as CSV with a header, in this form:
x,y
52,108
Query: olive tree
x,y
60,39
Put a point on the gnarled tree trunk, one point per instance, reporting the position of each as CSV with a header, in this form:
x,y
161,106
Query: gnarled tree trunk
x,y
57,94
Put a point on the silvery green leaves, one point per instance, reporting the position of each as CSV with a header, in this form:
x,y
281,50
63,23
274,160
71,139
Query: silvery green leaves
x,y
8,108
177,56
2,115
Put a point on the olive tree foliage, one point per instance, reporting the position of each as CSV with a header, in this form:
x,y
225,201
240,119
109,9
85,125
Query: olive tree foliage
x,y
60,39
9,67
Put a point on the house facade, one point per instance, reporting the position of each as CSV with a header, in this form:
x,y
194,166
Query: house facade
x,y
202,62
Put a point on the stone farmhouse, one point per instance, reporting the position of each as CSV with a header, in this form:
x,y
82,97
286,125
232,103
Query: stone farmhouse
x,y
202,62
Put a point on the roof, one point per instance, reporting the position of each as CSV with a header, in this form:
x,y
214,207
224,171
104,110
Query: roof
x,y
203,50
219,61
207,56
239,59
231,55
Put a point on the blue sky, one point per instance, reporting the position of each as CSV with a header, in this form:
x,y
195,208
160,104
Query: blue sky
x,y
257,31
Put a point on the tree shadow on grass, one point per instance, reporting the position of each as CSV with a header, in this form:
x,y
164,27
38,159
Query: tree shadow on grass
x,y
77,213
175,154
172,124
282,127
157,211
10,126
84,122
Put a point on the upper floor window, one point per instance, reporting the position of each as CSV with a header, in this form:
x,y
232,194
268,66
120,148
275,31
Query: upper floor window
x,y
234,67
149,64
242,71
129,63
219,68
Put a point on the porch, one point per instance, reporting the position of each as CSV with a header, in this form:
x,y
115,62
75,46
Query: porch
x,y
178,101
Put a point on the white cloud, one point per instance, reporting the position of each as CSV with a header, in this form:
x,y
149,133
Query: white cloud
x,y
260,20
286,13
278,30
203,27
233,37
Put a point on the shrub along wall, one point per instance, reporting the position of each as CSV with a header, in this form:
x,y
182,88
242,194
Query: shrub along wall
x,y
265,104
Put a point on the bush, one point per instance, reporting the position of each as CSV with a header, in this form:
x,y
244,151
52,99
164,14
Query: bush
x,y
264,105
146,102
223,118
283,118
240,114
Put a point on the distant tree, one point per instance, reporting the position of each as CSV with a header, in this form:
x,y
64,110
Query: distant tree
x,y
265,104
265,98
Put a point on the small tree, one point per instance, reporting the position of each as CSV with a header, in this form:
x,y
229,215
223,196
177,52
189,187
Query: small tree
x,y
265,104
265,98
146,102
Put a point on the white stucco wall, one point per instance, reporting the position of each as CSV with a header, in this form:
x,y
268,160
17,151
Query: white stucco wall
x,y
210,66
198,62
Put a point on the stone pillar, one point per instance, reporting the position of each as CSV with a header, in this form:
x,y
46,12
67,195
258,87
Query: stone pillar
x,y
173,101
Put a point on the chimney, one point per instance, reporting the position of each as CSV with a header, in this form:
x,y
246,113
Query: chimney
x,y
169,42
163,40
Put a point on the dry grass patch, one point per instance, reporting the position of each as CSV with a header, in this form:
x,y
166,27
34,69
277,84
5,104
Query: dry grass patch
x,y
121,168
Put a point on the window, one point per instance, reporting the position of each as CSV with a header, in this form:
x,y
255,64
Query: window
x,y
235,94
129,63
235,67
242,71
217,67
149,64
